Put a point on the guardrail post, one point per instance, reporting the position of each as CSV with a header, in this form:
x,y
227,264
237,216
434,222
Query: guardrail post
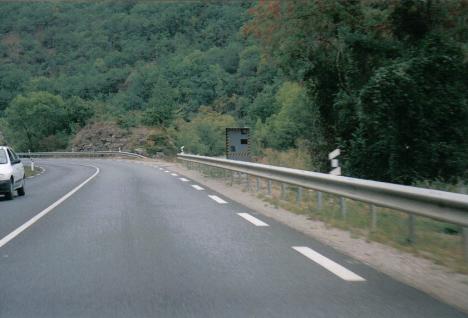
x,y
269,186
247,182
283,191
258,183
465,243
373,213
319,200
411,234
299,196
343,207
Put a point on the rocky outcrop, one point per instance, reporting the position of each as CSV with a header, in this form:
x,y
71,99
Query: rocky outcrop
x,y
100,137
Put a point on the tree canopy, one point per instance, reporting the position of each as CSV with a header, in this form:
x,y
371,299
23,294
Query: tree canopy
x,y
385,81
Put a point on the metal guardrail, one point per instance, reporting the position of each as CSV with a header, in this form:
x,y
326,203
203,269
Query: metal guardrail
x,y
439,205
80,154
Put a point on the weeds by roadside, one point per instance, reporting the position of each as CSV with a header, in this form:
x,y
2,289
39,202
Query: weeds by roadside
x,y
29,173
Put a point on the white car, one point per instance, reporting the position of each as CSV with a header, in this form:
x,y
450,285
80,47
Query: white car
x,y
12,176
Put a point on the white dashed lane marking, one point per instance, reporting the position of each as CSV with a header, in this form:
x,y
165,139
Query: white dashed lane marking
x,y
197,187
328,264
166,171
174,174
252,219
217,199
183,179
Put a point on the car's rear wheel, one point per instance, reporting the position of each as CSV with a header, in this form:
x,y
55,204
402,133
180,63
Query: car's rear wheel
x,y
21,191
9,194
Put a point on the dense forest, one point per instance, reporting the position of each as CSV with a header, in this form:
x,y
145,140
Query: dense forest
x,y
385,81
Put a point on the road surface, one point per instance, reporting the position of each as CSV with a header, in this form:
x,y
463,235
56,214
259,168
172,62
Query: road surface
x,y
137,241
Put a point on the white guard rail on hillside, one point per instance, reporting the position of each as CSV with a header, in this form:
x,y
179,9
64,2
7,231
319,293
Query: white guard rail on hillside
x,y
440,205
80,154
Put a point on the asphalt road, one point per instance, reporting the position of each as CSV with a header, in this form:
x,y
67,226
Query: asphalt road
x,y
136,241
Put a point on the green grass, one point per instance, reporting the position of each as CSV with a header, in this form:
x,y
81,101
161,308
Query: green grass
x,y
30,173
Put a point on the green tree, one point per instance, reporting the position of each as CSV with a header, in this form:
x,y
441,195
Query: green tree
x,y
42,121
414,119
35,116
366,69
296,120
161,107
205,133
264,105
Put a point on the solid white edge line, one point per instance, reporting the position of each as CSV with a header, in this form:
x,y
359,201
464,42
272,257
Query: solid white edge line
x,y
217,199
38,216
197,187
328,264
184,180
252,219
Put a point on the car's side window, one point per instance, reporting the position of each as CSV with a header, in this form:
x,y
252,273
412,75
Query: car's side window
x,y
3,157
15,156
10,155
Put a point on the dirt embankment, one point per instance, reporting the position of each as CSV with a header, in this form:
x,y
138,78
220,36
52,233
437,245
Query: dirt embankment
x,y
101,136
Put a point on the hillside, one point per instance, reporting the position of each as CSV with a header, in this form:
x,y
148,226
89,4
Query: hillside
x,y
384,81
